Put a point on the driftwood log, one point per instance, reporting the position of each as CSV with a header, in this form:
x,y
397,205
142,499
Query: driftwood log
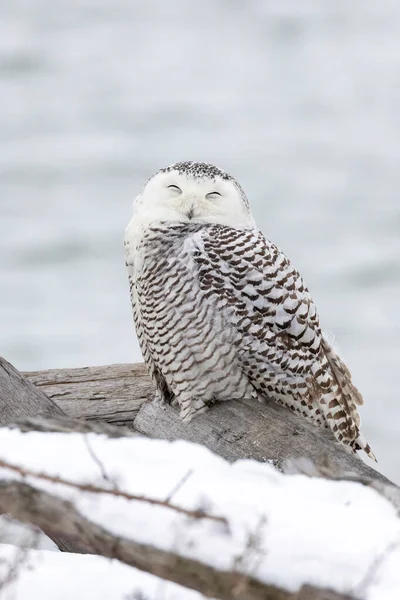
x,y
112,393
122,395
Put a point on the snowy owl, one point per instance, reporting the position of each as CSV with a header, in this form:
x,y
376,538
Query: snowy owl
x,y
221,313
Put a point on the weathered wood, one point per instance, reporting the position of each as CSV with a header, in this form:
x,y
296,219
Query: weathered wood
x,y
70,425
234,429
20,398
248,429
36,507
113,393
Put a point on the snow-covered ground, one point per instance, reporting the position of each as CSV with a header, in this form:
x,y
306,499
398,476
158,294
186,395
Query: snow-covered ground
x,y
46,575
285,530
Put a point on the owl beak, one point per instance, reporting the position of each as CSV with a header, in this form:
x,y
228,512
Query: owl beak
x,y
190,213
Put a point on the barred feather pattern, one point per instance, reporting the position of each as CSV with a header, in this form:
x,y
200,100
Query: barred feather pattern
x,y
221,314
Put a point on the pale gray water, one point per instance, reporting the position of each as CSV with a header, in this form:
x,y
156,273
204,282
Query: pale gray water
x,y
299,99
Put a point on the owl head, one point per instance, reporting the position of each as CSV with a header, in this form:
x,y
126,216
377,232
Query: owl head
x,y
193,192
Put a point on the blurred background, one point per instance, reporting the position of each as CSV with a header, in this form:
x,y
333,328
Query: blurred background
x,y
298,99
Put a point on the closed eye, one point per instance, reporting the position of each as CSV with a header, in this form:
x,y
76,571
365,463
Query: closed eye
x,y
175,188
212,195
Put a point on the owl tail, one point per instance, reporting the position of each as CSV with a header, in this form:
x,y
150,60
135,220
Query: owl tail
x,y
361,444
339,400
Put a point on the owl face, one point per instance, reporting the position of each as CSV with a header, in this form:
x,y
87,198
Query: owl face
x,y
193,192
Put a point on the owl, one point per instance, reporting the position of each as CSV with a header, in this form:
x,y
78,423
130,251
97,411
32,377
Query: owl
x,y
221,313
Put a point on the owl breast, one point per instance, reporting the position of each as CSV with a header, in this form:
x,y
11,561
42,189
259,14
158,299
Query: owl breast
x,y
187,337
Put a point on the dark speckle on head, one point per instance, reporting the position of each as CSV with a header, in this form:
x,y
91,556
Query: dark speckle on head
x,y
198,169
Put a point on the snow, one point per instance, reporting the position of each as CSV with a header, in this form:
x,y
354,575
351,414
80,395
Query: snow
x,y
286,530
24,536
46,575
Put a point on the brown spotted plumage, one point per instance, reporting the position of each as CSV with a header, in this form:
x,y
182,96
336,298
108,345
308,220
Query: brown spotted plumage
x,y
221,313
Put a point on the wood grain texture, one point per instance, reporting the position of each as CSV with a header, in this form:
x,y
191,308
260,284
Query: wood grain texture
x,y
20,398
247,429
113,393
70,425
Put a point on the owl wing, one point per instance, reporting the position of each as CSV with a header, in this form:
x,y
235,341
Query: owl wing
x,y
277,332
262,295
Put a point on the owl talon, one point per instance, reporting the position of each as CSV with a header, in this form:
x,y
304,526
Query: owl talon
x,y
191,409
159,398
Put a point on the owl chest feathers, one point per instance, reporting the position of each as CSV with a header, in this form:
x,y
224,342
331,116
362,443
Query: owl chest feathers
x,y
163,273
187,336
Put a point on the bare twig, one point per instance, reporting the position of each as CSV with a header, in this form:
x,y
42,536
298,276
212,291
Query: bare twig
x,y
94,489
178,485
98,462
